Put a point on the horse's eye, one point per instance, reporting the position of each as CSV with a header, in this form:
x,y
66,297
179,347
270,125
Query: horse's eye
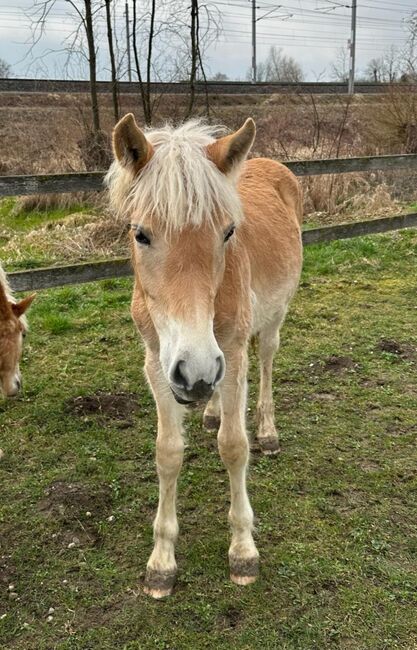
x,y
141,238
229,233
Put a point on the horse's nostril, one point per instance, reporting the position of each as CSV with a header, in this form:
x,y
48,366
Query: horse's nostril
x,y
220,369
201,390
177,376
19,383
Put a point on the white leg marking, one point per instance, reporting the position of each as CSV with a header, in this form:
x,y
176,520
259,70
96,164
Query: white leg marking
x,y
161,567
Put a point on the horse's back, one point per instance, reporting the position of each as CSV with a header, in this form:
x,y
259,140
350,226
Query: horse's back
x,y
272,186
272,202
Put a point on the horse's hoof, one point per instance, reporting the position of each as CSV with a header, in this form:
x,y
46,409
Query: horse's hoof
x,y
244,571
269,445
159,584
212,422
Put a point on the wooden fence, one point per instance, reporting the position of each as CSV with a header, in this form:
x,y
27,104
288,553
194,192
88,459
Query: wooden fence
x,y
93,181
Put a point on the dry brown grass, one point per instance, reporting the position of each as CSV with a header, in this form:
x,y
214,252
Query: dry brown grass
x,y
46,133
79,236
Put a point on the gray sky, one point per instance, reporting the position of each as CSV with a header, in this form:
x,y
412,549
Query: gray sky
x,y
311,31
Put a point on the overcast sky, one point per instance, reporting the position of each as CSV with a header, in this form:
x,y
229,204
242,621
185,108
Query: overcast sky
x,y
311,31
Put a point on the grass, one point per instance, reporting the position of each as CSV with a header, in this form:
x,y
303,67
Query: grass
x,y
336,511
50,237
23,221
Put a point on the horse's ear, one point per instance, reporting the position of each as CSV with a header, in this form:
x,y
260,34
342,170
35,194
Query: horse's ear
x,y
229,152
20,307
130,146
5,307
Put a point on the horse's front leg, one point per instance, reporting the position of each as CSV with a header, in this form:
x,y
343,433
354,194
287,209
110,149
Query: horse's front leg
x,y
161,568
234,451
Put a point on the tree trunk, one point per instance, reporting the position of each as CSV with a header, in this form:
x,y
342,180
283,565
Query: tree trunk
x,y
149,61
194,55
92,65
114,84
144,91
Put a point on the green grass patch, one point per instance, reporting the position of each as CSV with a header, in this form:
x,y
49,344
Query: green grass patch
x,y
11,217
336,511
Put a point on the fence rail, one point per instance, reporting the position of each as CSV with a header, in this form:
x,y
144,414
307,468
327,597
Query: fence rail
x,y
46,278
93,181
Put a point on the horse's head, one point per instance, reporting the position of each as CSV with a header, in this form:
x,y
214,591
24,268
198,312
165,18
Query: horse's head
x,y
179,189
12,329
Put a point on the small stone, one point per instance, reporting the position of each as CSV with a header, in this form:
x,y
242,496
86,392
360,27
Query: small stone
x,y
49,619
65,582
71,545
11,588
51,610
111,518
88,513
13,595
26,625
2,617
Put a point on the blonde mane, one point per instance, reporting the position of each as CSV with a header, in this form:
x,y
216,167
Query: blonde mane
x,y
179,185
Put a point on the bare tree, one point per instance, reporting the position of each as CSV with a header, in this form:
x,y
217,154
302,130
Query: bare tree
x,y
219,76
144,83
4,69
279,67
87,20
114,83
339,70
39,14
169,40
385,68
410,52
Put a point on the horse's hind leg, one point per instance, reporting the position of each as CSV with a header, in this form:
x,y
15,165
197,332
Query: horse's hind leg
x,y
212,412
267,434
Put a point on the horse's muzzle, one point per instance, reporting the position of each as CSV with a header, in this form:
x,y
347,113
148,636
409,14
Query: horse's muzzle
x,y
200,392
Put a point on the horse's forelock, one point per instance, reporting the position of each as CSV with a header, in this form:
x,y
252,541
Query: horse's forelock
x,y
179,185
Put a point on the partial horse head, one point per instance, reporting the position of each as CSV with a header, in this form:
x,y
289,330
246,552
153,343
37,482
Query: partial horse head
x,y
12,329
178,188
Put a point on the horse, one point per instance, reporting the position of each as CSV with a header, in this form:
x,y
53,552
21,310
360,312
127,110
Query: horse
x,y
217,255
13,327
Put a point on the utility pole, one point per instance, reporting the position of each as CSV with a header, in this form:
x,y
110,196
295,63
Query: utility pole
x,y
254,41
129,63
352,43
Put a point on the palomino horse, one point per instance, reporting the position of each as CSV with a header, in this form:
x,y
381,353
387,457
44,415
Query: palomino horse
x,y
13,325
217,254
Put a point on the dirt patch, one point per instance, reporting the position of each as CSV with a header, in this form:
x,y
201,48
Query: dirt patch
x,y
347,501
334,364
73,500
325,397
405,351
119,407
78,510
230,618
398,430
369,466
